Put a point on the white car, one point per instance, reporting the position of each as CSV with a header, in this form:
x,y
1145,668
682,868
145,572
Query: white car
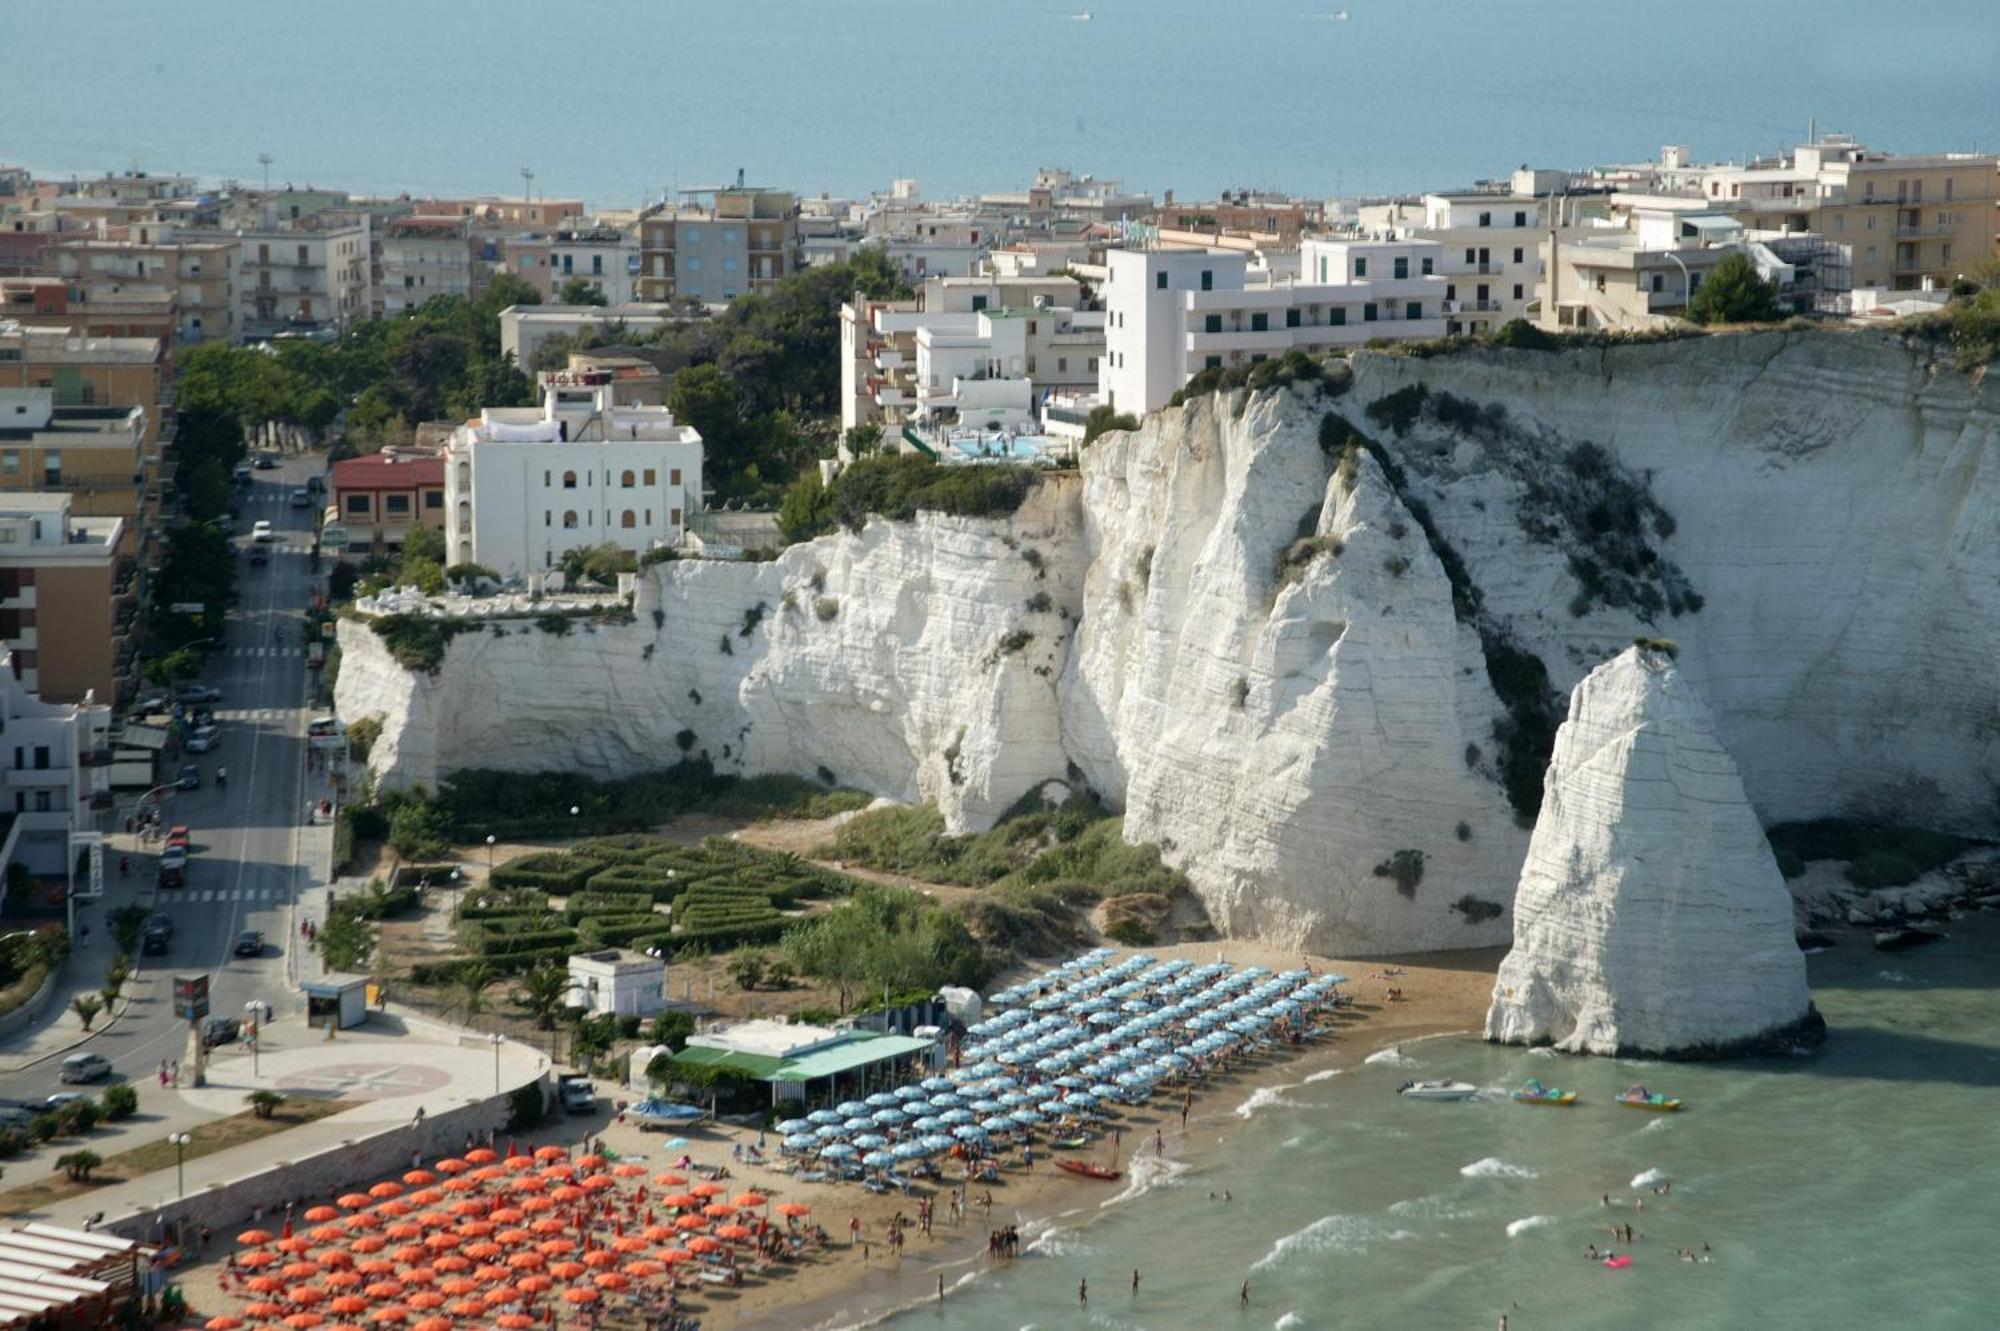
x,y
85,1067
261,532
203,739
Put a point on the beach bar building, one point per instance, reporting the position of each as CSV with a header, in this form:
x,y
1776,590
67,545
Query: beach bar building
x,y
56,1277
808,1064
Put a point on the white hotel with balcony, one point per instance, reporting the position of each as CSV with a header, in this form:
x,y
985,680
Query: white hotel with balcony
x,y
524,484
1172,313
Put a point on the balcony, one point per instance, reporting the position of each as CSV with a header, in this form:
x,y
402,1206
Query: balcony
x,y
21,598
1933,231
1912,262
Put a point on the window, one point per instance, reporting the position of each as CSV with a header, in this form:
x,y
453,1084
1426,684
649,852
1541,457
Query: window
x,y
694,263
673,476
433,499
547,518
1292,318
42,802
1337,316
357,506
464,479
649,517
1517,291
1429,265
1486,219
41,757
1520,217
1208,279
650,474
978,303
52,465
628,519
569,520
399,504
1451,291
10,462
625,480
674,517
1361,267
729,263
1160,281
1213,363
1413,309
1212,324
1368,313
1260,322
1517,254
1062,364
569,480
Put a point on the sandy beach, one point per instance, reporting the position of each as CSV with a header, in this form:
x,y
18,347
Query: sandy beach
x,y
845,1283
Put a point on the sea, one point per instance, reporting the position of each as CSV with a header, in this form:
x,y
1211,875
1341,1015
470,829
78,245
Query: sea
x,y
1858,1187
621,102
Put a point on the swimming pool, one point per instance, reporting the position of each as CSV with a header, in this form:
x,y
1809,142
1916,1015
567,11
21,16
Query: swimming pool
x,y
1008,448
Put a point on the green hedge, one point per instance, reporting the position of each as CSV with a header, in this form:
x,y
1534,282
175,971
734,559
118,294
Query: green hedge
x,y
485,902
617,931
635,878
505,944
589,905
554,871
631,848
722,936
510,963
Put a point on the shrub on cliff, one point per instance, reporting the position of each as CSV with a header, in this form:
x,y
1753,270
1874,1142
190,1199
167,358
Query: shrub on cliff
x,y
1734,294
899,488
1103,419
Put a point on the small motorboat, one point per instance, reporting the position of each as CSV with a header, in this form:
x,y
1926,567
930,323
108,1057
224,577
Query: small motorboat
x,y
1638,1097
1071,1142
656,1114
1534,1093
1902,940
1437,1090
1086,1169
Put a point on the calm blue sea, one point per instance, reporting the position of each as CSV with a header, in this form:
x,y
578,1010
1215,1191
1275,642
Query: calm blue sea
x,y
617,100
1858,1188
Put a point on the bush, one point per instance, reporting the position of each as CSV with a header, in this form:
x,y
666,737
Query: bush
x,y
672,1029
416,642
78,1164
120,1102
1477,910
898,488
526,1107
556,872
1399,410
1405,868
1103,419
1131,933
537,803
1878,855
79,1116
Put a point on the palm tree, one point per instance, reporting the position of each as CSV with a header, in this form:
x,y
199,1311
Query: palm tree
x,y
544,991
471,987
87,1006
264,1103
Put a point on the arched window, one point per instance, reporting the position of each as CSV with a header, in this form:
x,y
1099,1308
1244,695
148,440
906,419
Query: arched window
x,y
628,520
464,474
569,518
626,480
569,480
465,552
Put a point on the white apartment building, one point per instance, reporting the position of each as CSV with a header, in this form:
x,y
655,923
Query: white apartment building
x,y
605,257
878,339
994,371
56,760
524,484
307,281
1491,258
1173,313
523,328
422,257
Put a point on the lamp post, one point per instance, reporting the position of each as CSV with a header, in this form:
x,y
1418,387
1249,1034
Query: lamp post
x,y
180,1141
1687,282
255,1009
495,1039
489,858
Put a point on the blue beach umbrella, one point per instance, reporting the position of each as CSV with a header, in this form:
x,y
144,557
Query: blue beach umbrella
x,y
792,1125
839,1151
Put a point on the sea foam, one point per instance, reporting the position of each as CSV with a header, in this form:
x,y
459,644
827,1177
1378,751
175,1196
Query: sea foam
x,y
1649,1178
1289,1322
1262,1096
1327,1074
1391,1057
1343,1234
1494,1167
1146,1173
1516,1228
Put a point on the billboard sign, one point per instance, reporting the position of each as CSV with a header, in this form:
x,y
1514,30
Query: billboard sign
x,y
190,997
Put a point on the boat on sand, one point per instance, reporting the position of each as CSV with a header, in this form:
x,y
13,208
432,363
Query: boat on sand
x,y
1638,1097
1437,1090
1085,1169
1534,1093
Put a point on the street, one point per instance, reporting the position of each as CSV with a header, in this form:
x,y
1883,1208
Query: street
x,y
245,871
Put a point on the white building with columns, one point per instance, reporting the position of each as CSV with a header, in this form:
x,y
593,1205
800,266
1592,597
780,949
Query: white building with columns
x,y
524,484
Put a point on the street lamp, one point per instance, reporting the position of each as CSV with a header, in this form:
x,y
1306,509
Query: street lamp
x,y
495,1038
1687,282
489,857
255,1009
180,1141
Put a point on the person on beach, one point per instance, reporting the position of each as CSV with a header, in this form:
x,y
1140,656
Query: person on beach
x,y
1243,1295
1083,1290
1135,1282
940,1287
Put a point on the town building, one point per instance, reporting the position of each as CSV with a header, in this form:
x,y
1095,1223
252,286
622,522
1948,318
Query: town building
x,y
378,497
606,258
1273,219
616,982
745,239
97,454
497,215
197,272
309,282
801,1062
1638,266
991,368
68,597
1491,256
1172,313
525,484
523,328
422,257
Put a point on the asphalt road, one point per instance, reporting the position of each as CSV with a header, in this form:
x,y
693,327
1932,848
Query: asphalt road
x,y
244,873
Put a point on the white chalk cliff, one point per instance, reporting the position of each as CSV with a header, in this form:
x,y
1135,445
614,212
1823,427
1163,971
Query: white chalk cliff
x,y
1651,917
1813,517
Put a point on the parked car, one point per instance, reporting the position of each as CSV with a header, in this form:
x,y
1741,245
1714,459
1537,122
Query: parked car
x,y
260,531
84,1067
316,484
259,556
152,702
219,1030
267,462
243,473
188,778
203,739
174,857
173,874
164,923
250,943
177,835
155,942
16,1115
322,726
302,498
191,692
577,1093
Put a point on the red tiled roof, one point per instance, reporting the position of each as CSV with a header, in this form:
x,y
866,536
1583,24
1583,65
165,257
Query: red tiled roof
x,y
376,472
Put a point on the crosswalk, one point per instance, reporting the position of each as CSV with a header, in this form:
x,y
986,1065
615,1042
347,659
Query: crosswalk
x,y
199,897
267,651
253,714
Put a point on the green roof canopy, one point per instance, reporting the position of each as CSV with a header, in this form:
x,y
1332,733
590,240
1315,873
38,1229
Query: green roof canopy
x,y
858,1050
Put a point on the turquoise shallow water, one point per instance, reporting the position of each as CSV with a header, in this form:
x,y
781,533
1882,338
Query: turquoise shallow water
x,y
1856,1188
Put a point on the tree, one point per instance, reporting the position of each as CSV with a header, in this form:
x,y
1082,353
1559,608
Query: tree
x,y
747,968
807,510
128,927
863,439
1732,293
264,1103
208,491
1103,418
580,291
704,397
542,993
78,1164
345,942
120,1102
87,1006
672,1029
79,1116
171,669
470,986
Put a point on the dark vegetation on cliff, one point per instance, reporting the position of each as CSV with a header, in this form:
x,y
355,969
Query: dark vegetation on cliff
x,y
899,488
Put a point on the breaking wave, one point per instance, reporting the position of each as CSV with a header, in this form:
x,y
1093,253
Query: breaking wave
x,y
1494,1167
1341,1234
1516,1228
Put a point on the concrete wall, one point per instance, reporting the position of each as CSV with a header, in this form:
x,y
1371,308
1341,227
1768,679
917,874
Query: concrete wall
x,y
24,1016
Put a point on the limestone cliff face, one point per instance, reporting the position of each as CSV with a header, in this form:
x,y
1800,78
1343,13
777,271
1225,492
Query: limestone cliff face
x,y
1813,518
1651,917
1294,741
905,660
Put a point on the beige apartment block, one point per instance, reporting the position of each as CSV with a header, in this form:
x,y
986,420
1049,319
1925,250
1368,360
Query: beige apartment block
x,y
744,240
68,597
